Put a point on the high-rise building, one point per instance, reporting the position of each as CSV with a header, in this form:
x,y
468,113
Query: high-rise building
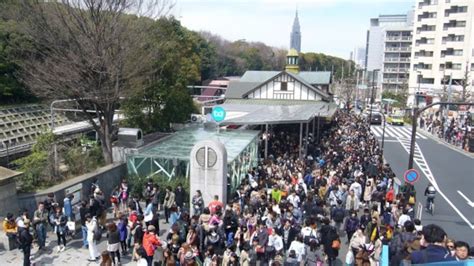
x,y
295,36
443,47
388,50
360,57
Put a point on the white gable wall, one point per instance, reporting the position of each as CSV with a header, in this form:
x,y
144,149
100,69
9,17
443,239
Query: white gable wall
x,y
295,90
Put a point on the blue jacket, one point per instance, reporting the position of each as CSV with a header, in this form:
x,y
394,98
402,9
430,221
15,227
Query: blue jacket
x,y
432,253
68,208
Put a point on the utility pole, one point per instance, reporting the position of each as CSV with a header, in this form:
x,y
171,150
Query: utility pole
x,y
372,94
413,128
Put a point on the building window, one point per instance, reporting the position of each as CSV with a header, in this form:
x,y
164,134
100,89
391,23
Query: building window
x,y
284,86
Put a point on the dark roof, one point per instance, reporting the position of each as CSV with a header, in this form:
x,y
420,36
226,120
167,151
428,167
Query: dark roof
x,y
316,77
237,89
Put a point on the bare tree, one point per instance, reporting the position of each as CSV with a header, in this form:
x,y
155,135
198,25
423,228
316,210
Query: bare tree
x,y
91,51
347,90
465,83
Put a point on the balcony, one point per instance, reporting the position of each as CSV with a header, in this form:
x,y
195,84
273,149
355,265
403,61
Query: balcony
x,y
398,38
396,70
397,49
394,81
396,59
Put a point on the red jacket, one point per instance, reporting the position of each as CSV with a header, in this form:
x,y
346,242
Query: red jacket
x,y
150,243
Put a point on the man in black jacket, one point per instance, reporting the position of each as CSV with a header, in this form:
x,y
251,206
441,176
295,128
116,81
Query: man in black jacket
x,y
288,233
26,239
180,196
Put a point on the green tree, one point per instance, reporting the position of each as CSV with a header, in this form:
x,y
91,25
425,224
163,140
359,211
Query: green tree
x,y
164,98
38,166
11,88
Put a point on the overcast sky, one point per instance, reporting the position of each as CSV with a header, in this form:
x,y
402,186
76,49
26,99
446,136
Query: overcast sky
x,y
333,27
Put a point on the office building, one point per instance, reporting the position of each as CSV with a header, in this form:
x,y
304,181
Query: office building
x,y
443,42
388,51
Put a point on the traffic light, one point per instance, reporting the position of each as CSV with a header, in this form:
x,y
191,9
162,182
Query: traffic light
x,y
419,97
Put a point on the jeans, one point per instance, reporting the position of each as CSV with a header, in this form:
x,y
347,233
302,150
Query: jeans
x,y
84,235
26,255
41,233
428,200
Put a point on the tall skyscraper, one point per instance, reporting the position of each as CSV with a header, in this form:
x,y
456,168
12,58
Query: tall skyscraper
x,y
295,37
443,47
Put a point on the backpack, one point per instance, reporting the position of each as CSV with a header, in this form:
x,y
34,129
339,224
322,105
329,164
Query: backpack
x,y
97,233
387,218
351,225
338,215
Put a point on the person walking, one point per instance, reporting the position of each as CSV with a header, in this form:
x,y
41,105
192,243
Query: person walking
x,y
122,228
180,196
93,233
68,207
25,239
113,242
198,203
40,220
168,203
150,243
83,211
60,220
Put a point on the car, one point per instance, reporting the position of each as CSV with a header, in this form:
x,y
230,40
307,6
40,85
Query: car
x,y
395,120
376,118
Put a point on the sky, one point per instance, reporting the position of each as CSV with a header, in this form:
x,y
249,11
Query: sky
x,y
333,27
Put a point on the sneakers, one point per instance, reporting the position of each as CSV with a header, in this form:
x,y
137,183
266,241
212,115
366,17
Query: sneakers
x,y
62,248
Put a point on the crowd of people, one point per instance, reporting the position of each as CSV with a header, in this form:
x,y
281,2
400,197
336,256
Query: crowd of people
x,y
289,210
454,131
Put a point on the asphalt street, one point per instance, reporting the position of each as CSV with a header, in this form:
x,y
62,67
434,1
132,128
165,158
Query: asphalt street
x,y
450,169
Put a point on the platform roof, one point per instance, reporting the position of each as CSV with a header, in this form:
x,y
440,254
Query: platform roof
x,y
261,112
179,145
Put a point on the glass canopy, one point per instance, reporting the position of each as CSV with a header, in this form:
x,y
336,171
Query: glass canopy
x,y
170,156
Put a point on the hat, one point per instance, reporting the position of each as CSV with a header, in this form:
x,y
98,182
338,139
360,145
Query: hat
x,y
189,255
151,228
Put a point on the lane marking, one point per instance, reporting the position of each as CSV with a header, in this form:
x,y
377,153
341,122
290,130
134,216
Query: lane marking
x,y
376,132
429,175
401,132
390,132
469,202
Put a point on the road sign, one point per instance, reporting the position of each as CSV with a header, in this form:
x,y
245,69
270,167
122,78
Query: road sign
x,y
411,176
218,113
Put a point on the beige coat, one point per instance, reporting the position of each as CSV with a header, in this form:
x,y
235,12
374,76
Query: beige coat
x,y
169,199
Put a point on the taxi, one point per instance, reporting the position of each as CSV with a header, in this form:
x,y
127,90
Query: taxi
x,y
394,119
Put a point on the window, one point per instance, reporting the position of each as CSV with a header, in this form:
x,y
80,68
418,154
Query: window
x,y
284,86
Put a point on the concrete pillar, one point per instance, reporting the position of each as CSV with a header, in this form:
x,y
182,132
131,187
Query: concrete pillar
x,y
266,141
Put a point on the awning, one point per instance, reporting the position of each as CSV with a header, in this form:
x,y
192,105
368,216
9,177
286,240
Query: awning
x,y
261,112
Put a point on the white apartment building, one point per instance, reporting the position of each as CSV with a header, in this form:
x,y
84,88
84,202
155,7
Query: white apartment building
x,y
443,46
389,50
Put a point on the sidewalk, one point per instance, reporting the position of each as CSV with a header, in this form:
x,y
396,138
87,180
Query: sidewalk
x,y
74,255
441,140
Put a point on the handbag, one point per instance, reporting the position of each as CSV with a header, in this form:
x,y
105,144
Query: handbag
x,y
148,217
411,200
350,257
260,249
71,226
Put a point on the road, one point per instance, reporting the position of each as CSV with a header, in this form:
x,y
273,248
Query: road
x,y
450,170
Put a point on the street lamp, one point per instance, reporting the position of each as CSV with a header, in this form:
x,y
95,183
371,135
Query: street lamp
x,y
372,94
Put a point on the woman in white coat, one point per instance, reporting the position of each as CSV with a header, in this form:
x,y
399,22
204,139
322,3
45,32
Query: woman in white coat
x,y
91,225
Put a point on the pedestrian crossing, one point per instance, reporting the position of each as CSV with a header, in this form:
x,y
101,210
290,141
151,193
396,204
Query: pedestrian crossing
x,y
400,132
